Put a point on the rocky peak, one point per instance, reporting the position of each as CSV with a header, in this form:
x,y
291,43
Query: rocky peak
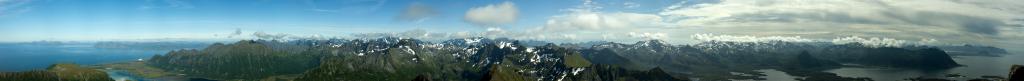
x,y
651,43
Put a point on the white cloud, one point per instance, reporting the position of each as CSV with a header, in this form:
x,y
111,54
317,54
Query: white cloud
x,y
237,32
586,23
313,37
586,20
586,17
870,42
262,35
900,15
492,33
630,5
873,42
731,38
763,20
975,21
648,36
493,14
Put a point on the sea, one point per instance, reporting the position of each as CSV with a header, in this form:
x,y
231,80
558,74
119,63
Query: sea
x,y
25,57
974,67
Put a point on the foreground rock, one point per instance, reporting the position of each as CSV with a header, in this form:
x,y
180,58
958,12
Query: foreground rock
x,y
1016,73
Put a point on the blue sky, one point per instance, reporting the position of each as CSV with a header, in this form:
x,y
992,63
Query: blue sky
x,y
677,21
141,19
58,19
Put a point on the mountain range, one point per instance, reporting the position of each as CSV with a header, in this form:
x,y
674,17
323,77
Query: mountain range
x,y
507,59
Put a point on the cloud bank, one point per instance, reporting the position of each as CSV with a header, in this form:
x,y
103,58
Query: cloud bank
x,y
263,35
493,14
870,42
648,36
906,18
949,20
585,20
586,17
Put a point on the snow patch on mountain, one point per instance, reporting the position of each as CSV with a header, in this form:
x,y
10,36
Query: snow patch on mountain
x,y
408,50
472,40
577,71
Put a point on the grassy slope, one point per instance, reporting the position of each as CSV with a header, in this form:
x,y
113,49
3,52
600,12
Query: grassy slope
x,y
58,72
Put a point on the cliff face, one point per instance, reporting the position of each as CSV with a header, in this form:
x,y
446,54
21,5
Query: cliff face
x,y
1016,73
934,57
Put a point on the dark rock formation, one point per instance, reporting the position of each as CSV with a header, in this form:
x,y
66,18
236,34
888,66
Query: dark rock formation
x,y
1016,73
421,78
805,60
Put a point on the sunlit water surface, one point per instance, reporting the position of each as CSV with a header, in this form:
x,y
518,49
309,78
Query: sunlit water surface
x,y
24,57
974,67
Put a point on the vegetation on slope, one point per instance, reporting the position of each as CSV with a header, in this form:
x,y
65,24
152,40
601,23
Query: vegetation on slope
x,y
58,72
504,59
240,60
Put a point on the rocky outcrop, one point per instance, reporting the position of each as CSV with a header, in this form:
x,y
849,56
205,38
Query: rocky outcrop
x,y
421,78
599,72
1016,73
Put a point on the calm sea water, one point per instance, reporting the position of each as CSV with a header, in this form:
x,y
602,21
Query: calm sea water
x,y
24,57
122,75
774,75
975,66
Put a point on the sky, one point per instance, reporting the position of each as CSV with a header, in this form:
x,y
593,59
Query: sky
x,y
988,22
